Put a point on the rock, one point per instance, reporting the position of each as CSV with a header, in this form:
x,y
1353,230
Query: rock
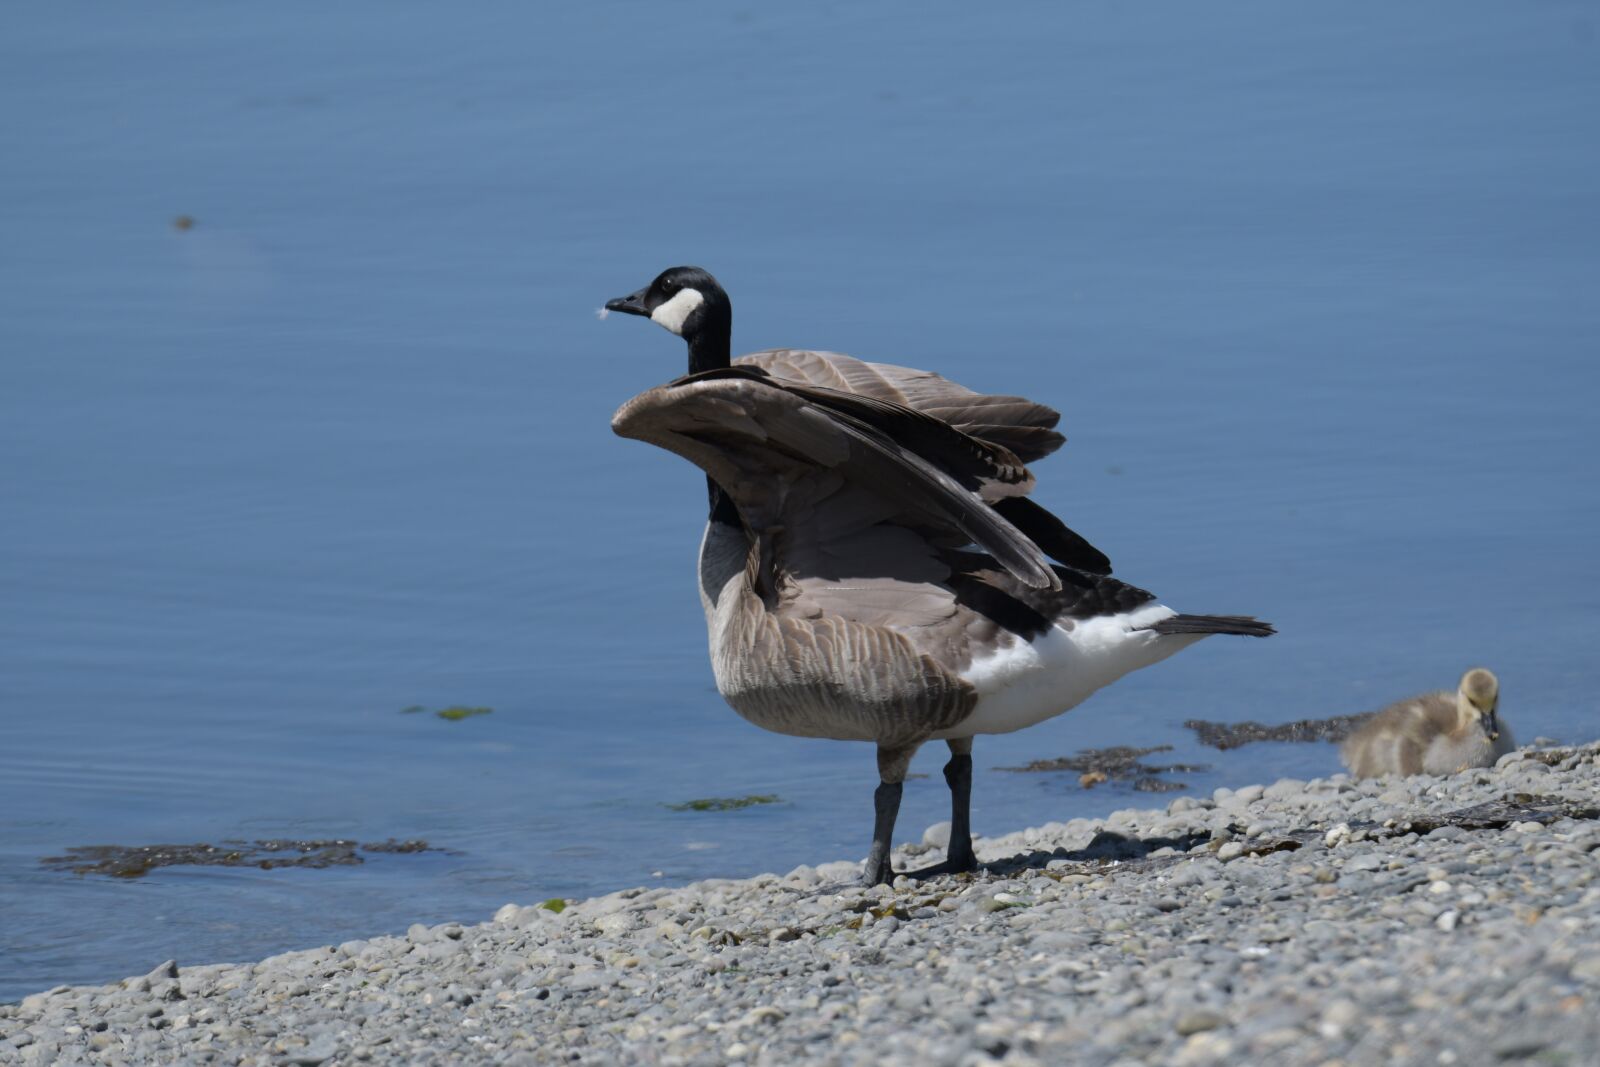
x,y
803,876
761,1016
1194,1022
1520,1044
163,972
1229,851
1186,875
614,925
937,835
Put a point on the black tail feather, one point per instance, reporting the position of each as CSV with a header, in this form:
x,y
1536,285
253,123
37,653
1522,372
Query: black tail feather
x,y
1243,625
1053,536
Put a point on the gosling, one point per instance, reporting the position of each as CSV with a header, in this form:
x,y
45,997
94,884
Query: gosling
x,y
1436,733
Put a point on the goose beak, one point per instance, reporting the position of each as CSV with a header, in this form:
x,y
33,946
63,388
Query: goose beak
x,y
632,304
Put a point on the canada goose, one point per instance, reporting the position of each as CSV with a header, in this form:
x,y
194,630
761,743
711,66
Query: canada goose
x,y
871,567
1436,733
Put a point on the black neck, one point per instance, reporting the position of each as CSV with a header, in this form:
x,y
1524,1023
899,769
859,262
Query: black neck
x,y
709,347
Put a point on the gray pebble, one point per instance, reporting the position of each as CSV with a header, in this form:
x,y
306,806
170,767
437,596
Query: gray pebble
x,y
1195,1022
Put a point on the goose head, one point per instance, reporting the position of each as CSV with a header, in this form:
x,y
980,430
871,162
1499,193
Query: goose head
x,y
686,301
1479,701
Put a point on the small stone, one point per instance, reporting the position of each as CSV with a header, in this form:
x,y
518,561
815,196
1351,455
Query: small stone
x,y
1521,1045
164,972
766,1014
1204,1048
803,876
1447,920
937,835
782,933
1195,1022
614,925
1229,851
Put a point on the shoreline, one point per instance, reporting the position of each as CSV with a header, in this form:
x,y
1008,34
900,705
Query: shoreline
x,y
1418,920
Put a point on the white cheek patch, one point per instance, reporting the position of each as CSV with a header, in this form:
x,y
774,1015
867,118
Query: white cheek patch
x,y
672,314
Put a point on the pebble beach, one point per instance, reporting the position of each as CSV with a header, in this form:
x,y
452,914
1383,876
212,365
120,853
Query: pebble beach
x,y
1423,920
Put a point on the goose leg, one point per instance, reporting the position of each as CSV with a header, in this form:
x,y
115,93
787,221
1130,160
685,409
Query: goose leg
x,y
892,765
958,854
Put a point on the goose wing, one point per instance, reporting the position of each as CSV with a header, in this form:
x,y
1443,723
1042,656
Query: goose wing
x,y
968,434
1015,423
812,468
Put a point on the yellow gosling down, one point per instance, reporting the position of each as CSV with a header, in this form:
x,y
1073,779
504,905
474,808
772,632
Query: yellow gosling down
x,y
1436,733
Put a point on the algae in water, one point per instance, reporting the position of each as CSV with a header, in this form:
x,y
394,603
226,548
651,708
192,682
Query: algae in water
x,y
725,803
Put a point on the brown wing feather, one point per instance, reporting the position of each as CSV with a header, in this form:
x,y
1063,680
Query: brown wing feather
x,y
993,472
1023,427
780,457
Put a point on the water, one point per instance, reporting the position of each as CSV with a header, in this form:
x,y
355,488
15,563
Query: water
x,y
1314,288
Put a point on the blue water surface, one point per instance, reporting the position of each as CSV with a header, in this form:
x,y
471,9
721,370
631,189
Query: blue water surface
x,y
1315,288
